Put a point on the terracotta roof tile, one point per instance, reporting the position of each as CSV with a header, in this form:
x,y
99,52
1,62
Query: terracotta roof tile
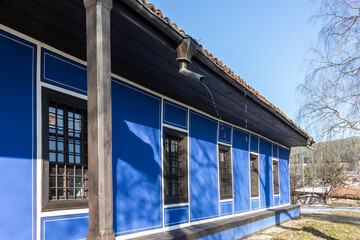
x,y
222,66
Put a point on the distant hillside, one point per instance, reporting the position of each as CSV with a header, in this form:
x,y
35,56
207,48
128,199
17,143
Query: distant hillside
x,y
348,150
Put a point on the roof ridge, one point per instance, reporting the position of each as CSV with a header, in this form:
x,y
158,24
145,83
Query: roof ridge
x,y
231,73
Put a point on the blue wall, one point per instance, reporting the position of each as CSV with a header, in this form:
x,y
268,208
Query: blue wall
x,y
250,228
226,208
136,159
136,153
176,215
224,133
284,175
203,167
63,72
266,182
175,115
240,154
17,138
70,227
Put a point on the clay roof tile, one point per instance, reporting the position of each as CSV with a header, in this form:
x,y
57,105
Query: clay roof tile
x,y
221,65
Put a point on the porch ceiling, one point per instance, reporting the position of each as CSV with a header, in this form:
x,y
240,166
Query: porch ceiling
x,y
144,54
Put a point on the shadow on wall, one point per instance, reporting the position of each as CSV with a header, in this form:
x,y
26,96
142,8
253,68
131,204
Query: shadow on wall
x,y
137,177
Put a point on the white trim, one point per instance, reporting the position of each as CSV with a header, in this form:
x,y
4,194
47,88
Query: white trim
x,y
162,163
232,169
249,171
259,171
175,128
175,205
272,166
229,200
224,144
39,162
60,213
218,165
63,90
174,209
258,158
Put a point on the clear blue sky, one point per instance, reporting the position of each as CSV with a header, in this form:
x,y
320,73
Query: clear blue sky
x,y
265,42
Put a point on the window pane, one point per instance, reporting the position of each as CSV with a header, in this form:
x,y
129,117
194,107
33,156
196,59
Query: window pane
x,y
225,173
254,175
276,176
175,168
66,143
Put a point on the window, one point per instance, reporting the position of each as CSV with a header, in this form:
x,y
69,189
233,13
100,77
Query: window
x,y
175,167
64,151
276,176
225,173
254,175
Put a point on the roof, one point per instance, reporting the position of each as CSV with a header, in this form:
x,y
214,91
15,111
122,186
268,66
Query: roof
x,y
224,68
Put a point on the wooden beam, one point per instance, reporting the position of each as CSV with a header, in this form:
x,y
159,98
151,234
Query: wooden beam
x,y
99,119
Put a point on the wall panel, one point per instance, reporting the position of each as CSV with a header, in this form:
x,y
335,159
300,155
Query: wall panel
x,y
266,184
240,154
204,192
71,227
17,138
63,72
136,159
284,175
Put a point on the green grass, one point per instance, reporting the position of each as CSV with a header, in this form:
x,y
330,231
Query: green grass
x,y
317,227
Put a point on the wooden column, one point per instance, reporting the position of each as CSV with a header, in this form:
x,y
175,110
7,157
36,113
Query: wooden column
x,y
99,119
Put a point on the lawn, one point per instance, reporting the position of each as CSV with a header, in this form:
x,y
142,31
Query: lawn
x,y
316,227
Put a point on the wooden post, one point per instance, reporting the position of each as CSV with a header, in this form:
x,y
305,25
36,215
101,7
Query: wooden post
x,y
99,119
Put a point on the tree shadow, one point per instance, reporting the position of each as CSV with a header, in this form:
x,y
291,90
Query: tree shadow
x,y
311,230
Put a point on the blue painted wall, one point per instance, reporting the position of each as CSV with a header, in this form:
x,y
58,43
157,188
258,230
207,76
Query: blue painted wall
x,y
255,203
136,159
250,228
240,154
203,167
175,115
69,227
226,208
284,175
276,200
63,72
224,133
266,183
176,215
254,143
17,138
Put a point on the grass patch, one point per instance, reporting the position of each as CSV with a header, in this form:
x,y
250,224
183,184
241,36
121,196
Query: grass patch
x,y
316,227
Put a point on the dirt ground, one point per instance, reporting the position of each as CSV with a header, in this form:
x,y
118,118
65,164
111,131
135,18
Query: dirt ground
x,y
334,225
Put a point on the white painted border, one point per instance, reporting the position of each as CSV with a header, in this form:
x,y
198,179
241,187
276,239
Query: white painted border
x,y
38,140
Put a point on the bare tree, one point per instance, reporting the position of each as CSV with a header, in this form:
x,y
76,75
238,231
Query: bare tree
x,y
328,166
331,90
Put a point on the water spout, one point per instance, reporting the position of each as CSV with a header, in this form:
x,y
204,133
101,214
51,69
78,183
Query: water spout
x,y
185,51
184,71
